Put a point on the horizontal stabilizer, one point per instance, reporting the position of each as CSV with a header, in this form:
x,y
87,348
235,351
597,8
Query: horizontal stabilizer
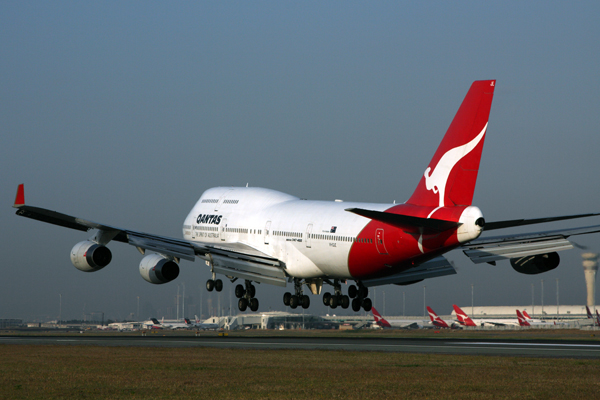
x,y
406,221
520,222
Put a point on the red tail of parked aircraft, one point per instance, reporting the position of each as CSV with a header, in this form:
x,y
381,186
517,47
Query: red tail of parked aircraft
x,y
379,320
522,320
462,316
435,320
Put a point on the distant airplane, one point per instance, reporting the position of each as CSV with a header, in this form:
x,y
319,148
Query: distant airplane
x,y
465,320
532,321
172,325
437,321
395,323
261,235
197,324
522,320
589,313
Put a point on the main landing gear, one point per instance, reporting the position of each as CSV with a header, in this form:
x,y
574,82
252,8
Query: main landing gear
x,y
357,294
246,296
298,299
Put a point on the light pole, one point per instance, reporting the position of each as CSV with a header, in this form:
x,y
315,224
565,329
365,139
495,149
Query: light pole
x,y
424,301
532,301
403,303
138,308
557,298
472,313
59,307
542,297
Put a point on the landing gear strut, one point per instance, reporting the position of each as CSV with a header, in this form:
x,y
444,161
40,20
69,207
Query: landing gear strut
x,y
298,299
246,296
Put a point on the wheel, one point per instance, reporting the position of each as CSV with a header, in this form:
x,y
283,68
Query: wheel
x,y
352,291
326,297
294,301
242,304
305,301
286,298
218,285
367,304
364,292
239,291
345,301
252,291
210,285
333,301
356,305
254,304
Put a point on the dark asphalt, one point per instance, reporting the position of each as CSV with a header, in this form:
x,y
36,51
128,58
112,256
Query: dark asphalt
x,y
554,349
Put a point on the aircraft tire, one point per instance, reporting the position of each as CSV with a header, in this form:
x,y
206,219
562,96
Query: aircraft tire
x,y
345,301
356,305
252,291
239,291
367,304
294,301
305,301
326,297
254,304
333,301
352,291
210,285
286,298
218,285
242,304
364,292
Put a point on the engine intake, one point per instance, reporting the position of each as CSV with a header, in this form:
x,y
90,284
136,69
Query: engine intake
x,y
537,264
157,269
88,256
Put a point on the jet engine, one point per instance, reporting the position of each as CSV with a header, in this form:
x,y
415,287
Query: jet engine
x,y
88,256
537,264
157,269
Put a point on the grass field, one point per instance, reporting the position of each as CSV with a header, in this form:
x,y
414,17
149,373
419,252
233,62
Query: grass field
x,y
89,372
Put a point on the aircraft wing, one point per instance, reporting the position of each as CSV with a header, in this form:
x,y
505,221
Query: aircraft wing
x,y
234,260
496,248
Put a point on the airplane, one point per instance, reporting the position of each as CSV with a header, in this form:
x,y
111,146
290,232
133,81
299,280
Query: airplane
x,y
437,321
265,236
538,321
197,324
395,323
465,320
186,324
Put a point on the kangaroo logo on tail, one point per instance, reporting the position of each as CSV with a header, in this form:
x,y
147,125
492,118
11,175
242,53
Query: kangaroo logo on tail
x,y
437,180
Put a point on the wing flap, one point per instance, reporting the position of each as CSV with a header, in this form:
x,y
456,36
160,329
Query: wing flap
x,y
245,269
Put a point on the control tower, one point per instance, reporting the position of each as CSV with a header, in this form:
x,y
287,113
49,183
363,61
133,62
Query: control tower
x,y
590,267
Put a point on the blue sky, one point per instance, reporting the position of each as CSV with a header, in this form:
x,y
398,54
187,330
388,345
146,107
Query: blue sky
x,y
125,112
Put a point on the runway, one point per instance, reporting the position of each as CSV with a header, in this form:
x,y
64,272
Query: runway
x,y
521,348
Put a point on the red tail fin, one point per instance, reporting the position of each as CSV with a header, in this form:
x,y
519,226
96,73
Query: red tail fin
x,y
452,172
435,320
522,320
589,313
526,315
597,318
462,316
379,320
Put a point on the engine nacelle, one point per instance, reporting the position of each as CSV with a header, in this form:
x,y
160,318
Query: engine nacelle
x,y
88,256
157,269
537,264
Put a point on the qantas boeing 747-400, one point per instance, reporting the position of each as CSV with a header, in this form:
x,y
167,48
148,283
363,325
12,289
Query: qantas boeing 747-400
x,y
261,235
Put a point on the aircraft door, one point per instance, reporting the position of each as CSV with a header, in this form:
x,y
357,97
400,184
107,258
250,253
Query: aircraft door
x,y
267,232
379,242
308,233
224,229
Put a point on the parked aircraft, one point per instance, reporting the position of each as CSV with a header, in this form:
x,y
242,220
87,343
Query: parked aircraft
x,y
186,324
437,321
197,324
395,323
265,236
465,320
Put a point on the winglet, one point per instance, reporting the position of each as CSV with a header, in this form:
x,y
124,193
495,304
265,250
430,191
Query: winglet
x,y
20,198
